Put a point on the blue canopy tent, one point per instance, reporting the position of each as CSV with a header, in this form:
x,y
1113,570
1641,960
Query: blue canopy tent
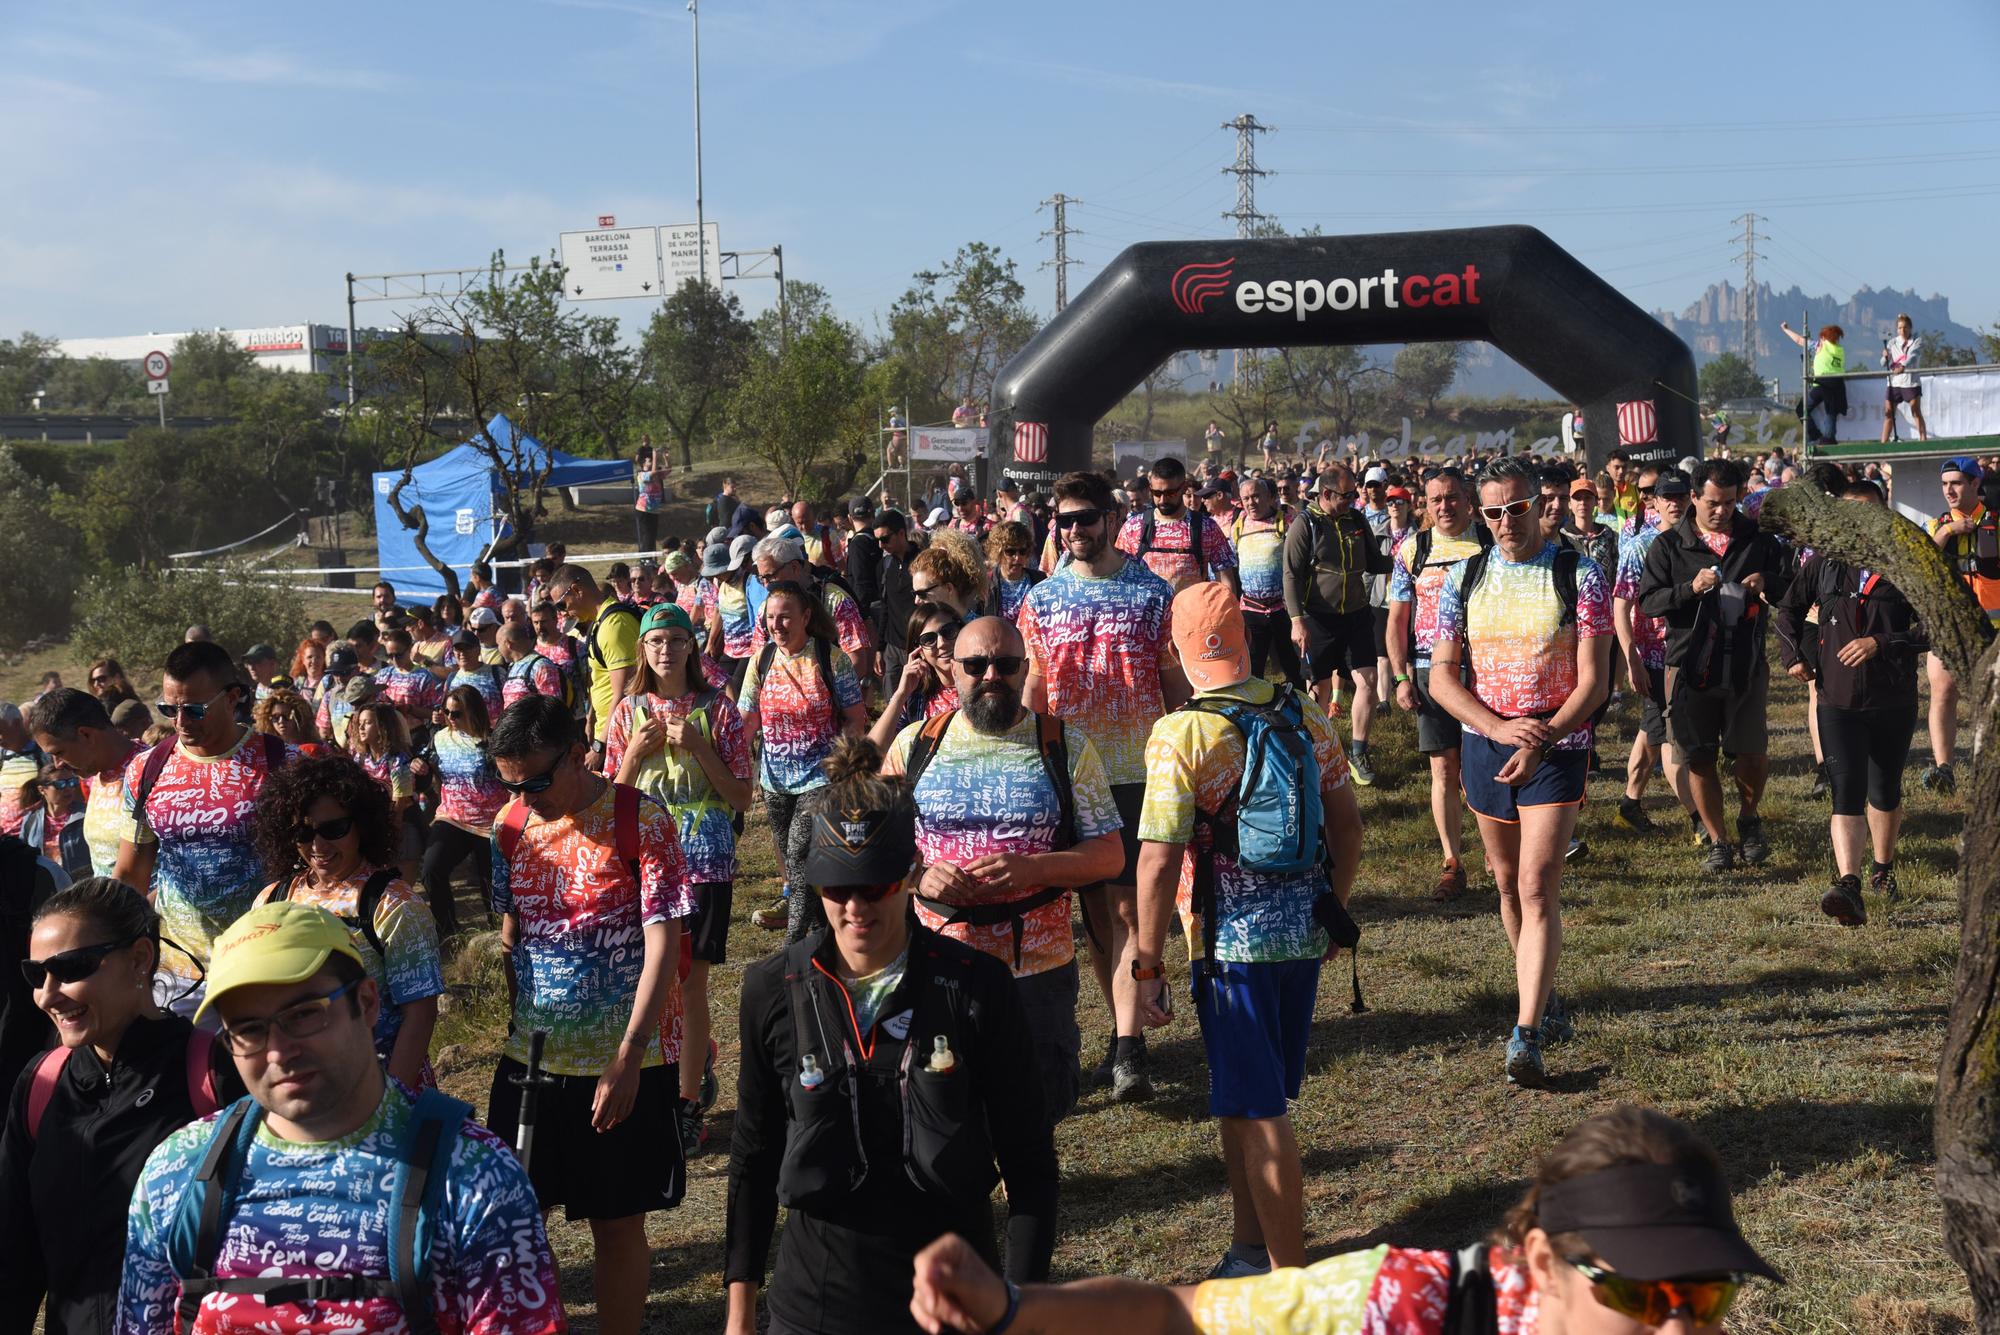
x,y
463,496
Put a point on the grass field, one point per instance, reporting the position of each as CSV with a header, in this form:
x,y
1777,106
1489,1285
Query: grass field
x,y
1803,1052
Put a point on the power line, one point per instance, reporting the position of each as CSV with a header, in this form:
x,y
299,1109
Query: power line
x,y
1898,122
1061,232
1671,169
1246,171
1750,258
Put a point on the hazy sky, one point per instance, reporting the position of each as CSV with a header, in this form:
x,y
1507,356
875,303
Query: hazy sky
x,y
171,166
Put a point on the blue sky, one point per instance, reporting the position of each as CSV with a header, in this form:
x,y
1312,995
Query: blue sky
x,y
169,166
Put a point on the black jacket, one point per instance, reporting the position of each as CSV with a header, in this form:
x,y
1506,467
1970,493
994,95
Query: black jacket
x,y
64,1195
1849,611
926,1148
25,881
1328,559
895,602
864,570
1697,644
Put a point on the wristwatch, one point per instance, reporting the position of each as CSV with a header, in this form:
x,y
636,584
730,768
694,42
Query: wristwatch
x,y
1158,971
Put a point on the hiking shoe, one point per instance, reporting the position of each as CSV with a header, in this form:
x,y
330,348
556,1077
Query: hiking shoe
x,y
1359,769
1940,780
1556,1026
1821,789
1524,1059
1752,846
1450,883
693,1127
1632,813
1883,883
1129,1081
772,919
1718,859
710,1088
1700,831
1842,902
1577,851
1232,1266
1100,1074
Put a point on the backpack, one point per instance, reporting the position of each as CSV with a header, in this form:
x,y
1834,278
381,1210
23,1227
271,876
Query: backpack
x,y
1565,579
1980,555
1053,745
1421,556
194,1235
822,658
569,691
604,615
364,920
156,764
1196,518
200,1079
1236,529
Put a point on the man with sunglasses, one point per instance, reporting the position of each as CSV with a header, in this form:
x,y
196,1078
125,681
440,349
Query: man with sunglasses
x,y
188,804
610,645
591,888
1330,558
77,734
1539,659
1181,544
294,1243
1099,636
998,861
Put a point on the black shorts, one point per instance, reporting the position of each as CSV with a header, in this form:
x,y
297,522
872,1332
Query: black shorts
x,y
634,1168
1381,632
1905,394
1437,731
1048,1002
1653,709
1128,798
708,929
1340,642
1700,723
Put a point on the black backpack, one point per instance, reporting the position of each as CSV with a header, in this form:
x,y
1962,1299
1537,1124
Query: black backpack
x,y
1196,518
822,659
1565,578
1421,556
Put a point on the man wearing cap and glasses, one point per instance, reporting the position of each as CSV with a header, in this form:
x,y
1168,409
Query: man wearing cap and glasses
x,y
1330,557
189,801
292,1240
1965,533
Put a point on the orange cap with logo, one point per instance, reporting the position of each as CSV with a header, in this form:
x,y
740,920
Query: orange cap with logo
x,y
1214,649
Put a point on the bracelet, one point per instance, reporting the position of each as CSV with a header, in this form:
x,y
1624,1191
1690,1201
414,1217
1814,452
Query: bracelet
x,y
1013,1308
1402,677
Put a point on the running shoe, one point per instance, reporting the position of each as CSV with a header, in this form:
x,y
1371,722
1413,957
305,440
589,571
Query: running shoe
x,y
1577,851
1524,1059
1940,780
1821,789
1359,769
1556,1026
1883,883
1129,1081
693,1127
1450,883
1752,846
1232,1266
772,919
1632,812
1842,902
1718,859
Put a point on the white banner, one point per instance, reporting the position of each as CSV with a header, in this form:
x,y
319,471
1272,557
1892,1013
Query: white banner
x,y
959,445
1145,453
1963,403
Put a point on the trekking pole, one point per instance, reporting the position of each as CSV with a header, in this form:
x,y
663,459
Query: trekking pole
x,y
531,1082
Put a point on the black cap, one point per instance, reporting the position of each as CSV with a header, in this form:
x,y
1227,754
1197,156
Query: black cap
x,y
1212,489
343,660
1654,1221
861,847
861,507
1673,483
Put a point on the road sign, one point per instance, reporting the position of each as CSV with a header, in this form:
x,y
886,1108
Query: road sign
x,y
157,365
607,220
611,262
678,254
157,386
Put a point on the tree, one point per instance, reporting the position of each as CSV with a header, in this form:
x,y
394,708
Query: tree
x,y
1935,350
807,410
955,328
208,371
696,350
1425,371
1967,1115
804,303
94,385
1728,377
1248,400
1338,384
38,562
25,364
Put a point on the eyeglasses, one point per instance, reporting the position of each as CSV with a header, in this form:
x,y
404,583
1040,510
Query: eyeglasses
x,y
535,783
300,1020
1653,1302
1074,518
947,636
332,830
1515,509
72,966
868,894
196,712
975,665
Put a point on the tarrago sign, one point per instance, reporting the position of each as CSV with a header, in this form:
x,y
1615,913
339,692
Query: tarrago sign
x,y
1195,285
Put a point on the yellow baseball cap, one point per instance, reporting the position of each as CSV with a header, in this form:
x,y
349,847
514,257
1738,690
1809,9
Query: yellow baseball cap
x,y
280,942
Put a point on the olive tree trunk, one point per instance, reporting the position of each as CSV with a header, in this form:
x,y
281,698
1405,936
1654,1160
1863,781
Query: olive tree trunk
x,y
1968,1083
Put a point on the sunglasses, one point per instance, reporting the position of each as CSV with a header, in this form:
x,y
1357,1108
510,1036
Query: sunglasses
x,y
454,713
868,894
1075,518
1646,491
332,830
1653,1302
924,592
301,1020
193,713
976,664
1344,495
534,783
72,966
1014,551
947,636
100,681
1514,509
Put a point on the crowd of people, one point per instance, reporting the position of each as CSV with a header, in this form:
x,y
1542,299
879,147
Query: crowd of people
x,y
1118,706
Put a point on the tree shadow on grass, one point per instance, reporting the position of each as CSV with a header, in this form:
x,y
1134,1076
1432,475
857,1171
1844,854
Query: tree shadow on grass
x,y
1091,1201
1795,1136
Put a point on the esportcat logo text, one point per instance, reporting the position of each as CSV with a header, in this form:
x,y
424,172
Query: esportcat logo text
x,y
1194,284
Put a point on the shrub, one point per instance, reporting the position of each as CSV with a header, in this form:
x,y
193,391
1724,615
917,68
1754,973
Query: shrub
x,y
140,615
38,559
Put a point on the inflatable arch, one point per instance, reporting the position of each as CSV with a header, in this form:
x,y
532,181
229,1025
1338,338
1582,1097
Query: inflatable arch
x,y
1510,286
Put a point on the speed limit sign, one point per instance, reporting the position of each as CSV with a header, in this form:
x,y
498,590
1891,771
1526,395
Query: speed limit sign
x,y
157,366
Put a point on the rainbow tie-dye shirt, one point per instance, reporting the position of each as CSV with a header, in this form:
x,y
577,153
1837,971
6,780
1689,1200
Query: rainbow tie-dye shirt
x,y
1098,643
797,722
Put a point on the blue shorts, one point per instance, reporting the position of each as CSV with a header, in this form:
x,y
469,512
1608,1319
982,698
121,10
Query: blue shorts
x,y
1556,782
1255,1021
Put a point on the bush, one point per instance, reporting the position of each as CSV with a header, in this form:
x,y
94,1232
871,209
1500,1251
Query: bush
x,y
38,559
141,615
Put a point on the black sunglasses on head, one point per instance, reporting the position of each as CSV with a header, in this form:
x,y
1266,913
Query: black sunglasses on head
x,y
71,966
1073,518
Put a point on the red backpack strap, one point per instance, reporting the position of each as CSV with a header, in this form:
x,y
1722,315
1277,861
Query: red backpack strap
x,y
150,771
201,1073
513,820
48,1070
625,826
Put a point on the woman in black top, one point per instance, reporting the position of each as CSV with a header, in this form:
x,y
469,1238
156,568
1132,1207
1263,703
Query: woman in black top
x,y
888,1082
1862,654
72,1149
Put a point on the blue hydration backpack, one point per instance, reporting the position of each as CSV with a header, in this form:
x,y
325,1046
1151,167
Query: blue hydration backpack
x,y
1273,823
194,1236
